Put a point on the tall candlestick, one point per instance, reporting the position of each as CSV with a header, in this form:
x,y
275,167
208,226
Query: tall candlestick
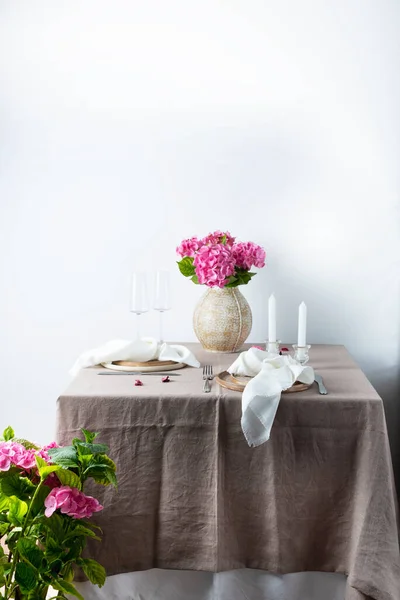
x,y
301,338
272,319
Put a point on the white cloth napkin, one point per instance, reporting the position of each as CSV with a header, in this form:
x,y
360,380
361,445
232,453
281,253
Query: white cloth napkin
x,y
261,396
141,350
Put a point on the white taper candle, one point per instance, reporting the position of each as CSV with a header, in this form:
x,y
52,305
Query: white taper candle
x,y
301,338
272,319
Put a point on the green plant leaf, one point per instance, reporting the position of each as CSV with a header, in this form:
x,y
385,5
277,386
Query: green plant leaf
x,y
85,448
29,552
69,478
17,511
75,548
55,524
4,502
26,444
8,434
195,279
90,436
14,485
93,570
26,577
102,474
4,527
186,266
38,503
11,471
80,530
241,277
66,587
54,551
65,457
45,469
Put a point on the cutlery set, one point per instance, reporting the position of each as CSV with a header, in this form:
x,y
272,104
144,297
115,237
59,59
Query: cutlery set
x,y
208,376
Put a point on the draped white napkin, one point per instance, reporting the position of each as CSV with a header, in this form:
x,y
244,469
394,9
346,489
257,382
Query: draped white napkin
x,y
261,396
141,350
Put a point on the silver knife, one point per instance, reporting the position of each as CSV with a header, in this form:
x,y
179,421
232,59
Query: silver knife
x,y
322,389
164,373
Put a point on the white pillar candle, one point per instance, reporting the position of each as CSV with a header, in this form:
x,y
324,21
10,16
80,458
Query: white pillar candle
x,y
301,338
272,319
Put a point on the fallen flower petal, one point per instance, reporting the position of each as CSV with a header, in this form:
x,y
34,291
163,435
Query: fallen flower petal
x,y
138,382
166,379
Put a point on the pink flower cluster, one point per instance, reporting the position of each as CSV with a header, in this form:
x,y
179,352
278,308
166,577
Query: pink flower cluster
x,y
71,502
189,247
43,451
248,254
218,256
217,238
14,454
214,265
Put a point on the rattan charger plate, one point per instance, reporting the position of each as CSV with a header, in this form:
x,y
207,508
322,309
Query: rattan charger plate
x,y
238,383
151,365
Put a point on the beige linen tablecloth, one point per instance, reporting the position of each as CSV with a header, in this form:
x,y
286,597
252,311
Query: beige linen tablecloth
x,y
318,496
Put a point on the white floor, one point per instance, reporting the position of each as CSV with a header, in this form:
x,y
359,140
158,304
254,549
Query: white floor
x,y
244,584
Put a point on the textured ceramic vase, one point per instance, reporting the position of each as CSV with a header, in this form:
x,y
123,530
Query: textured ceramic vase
x,y
222,320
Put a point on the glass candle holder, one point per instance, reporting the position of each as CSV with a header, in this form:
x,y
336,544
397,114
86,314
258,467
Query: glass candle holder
x,y
301,353
272,347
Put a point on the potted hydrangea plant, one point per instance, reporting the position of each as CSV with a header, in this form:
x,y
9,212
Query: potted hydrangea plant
x,y
222,319
44,515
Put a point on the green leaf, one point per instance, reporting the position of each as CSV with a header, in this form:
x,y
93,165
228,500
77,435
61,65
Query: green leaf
x,y
54,551
69,478
17,511
12,538
8,434
186,266
4,527
90,436
11,471
195,279
4,502
26,577
85,448
55,524
38,503
68,573
80,530
65,457
102,474
26,444
94,571
66,587
14,485
241,277
45,469
30,552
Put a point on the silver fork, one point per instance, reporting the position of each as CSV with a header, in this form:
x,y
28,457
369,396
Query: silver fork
x,y
207,376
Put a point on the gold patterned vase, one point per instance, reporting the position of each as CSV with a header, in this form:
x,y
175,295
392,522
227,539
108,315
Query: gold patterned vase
x,y
222,320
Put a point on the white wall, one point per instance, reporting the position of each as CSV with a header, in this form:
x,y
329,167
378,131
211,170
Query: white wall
x,y
128,125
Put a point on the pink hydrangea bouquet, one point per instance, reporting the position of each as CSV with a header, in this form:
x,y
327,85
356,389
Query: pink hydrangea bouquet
x,y
218,260
44,514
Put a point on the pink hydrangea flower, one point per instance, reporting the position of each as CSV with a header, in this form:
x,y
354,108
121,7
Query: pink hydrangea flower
x,y
214,265
189,247
217,237
43,451
71,502
15,454
248,254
